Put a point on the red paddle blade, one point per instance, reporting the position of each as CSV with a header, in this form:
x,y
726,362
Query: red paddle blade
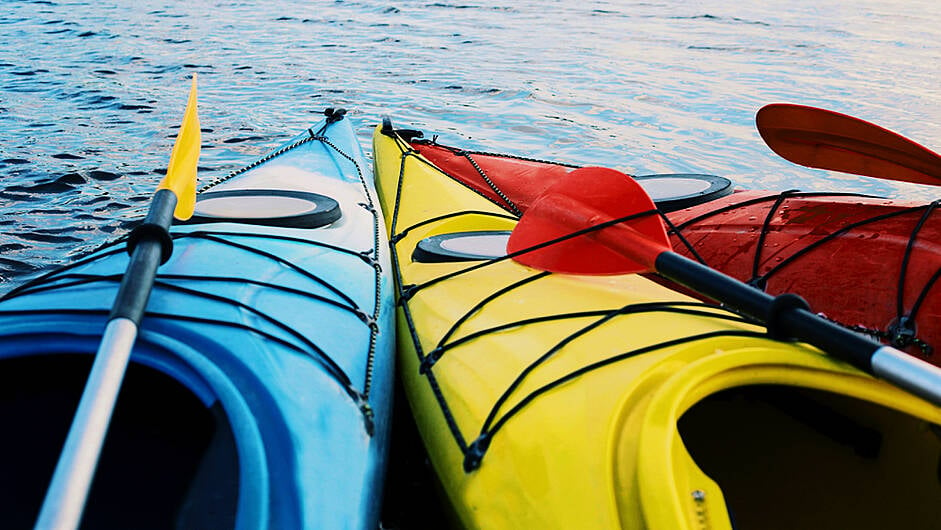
x,y
589,197
829,140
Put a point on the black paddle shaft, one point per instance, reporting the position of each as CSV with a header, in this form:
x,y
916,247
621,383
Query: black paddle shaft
x,y
786,316
149,245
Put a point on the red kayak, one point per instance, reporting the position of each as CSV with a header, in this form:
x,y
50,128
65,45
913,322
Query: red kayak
x,y
868,263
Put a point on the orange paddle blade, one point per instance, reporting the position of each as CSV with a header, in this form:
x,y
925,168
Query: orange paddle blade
x,y
825,139
586,198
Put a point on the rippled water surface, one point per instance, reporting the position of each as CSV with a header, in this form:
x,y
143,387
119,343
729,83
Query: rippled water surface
x,y
91,93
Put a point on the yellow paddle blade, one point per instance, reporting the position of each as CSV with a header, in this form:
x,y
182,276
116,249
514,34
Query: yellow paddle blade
x,y
181,173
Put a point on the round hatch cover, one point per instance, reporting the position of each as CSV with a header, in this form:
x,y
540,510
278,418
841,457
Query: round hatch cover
x,y
285,208
462,246
675,191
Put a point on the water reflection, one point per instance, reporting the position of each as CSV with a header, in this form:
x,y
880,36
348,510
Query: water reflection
x,y
90,92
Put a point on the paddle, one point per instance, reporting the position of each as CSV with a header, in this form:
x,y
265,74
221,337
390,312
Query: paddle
x,y
824,139
620,233
149,245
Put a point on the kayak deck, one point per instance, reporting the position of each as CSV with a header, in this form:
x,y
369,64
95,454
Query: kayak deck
x,y
869,263
278,334
607,401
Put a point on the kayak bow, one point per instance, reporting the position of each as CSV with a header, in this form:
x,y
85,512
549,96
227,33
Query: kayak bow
x,y
558,400
258,393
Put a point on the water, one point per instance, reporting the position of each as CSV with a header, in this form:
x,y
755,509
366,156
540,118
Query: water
x,y
91,93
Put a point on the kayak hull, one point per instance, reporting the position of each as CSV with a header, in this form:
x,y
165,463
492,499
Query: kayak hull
x,y
869,263
566,401
285,332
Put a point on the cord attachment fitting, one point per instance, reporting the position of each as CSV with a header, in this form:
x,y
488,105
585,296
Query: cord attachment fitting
x,y
780,305
334,115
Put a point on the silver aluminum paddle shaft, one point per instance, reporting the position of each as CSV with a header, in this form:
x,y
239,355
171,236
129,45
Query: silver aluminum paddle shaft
x,y
915,375
65,499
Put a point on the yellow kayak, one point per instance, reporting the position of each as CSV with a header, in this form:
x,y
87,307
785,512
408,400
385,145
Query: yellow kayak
x,y
571,401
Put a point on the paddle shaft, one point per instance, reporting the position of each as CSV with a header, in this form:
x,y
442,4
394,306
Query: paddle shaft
x,y
607,206
68,490
789,320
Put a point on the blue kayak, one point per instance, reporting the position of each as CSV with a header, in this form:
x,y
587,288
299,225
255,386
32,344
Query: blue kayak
x,y
259,390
